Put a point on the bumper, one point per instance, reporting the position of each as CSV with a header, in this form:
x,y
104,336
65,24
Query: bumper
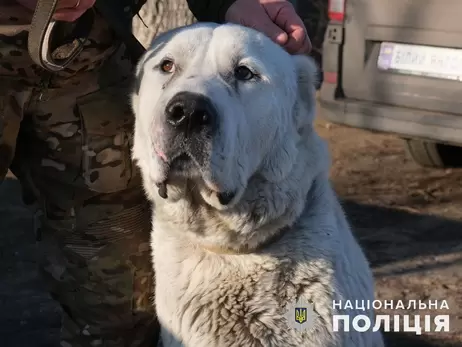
x,y
404,122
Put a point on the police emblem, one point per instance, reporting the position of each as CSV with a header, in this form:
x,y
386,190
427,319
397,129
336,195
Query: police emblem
x,y
301,315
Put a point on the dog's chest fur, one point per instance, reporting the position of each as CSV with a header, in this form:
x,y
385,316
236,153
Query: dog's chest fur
x,y
210,299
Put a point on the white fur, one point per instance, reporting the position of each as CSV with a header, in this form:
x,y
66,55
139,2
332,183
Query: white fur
x,y
267,151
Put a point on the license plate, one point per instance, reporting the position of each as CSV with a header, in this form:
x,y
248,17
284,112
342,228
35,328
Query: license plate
x,y
435,62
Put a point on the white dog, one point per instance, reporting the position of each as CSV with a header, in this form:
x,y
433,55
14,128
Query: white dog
x,y
245,220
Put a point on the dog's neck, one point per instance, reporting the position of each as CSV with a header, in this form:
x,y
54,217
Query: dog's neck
x,y
266,210
245,249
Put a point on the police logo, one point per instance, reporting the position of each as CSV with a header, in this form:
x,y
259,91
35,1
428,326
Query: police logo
x,y
301,315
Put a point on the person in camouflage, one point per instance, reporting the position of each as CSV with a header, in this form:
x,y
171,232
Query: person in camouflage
x,y
67,137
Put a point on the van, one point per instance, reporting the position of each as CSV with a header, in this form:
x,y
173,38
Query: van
x,y
395,66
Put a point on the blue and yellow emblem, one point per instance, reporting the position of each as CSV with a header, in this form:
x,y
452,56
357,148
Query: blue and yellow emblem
x,y
300,315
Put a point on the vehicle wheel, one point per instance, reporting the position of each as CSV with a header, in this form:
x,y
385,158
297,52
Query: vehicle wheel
x,y
435,155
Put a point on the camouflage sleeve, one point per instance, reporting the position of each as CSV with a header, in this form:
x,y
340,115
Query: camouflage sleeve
x,y
210,10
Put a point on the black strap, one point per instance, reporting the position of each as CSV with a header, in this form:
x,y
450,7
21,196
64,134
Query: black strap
x,y
40,36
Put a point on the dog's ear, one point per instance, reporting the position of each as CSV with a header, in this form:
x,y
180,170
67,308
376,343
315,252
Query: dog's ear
x,y
307,76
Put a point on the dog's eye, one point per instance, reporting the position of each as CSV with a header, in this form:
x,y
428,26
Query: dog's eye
x,y
243,73
167,66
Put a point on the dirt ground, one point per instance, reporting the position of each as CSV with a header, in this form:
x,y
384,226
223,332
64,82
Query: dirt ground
x,y
408,219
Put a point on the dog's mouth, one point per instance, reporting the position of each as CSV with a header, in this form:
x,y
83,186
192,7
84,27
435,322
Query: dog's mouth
x,y
181,165
184,167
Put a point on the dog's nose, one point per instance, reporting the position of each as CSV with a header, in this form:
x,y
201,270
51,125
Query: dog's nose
x,y
190,111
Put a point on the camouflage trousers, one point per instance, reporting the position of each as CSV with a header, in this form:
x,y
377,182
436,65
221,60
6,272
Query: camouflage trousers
x,y
67,137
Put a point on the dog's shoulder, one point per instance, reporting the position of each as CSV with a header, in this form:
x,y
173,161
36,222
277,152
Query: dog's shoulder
x,y
232,300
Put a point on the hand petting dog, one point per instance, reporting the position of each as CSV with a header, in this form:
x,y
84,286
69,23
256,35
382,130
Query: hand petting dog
x,y
275,18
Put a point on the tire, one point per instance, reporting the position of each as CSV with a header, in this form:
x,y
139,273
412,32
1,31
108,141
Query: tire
x,y
434,155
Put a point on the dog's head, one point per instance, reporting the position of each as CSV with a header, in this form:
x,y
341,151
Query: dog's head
x,y
224,121
216,105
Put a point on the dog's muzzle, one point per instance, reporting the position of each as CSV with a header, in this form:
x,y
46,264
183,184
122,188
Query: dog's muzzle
x,y
189,112
190,123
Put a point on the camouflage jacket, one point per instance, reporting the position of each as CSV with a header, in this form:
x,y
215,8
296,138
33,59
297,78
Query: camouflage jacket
x,y
203,10
15,22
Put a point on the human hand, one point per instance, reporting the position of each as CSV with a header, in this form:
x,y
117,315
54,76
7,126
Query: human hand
x,y
66,10
275,18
